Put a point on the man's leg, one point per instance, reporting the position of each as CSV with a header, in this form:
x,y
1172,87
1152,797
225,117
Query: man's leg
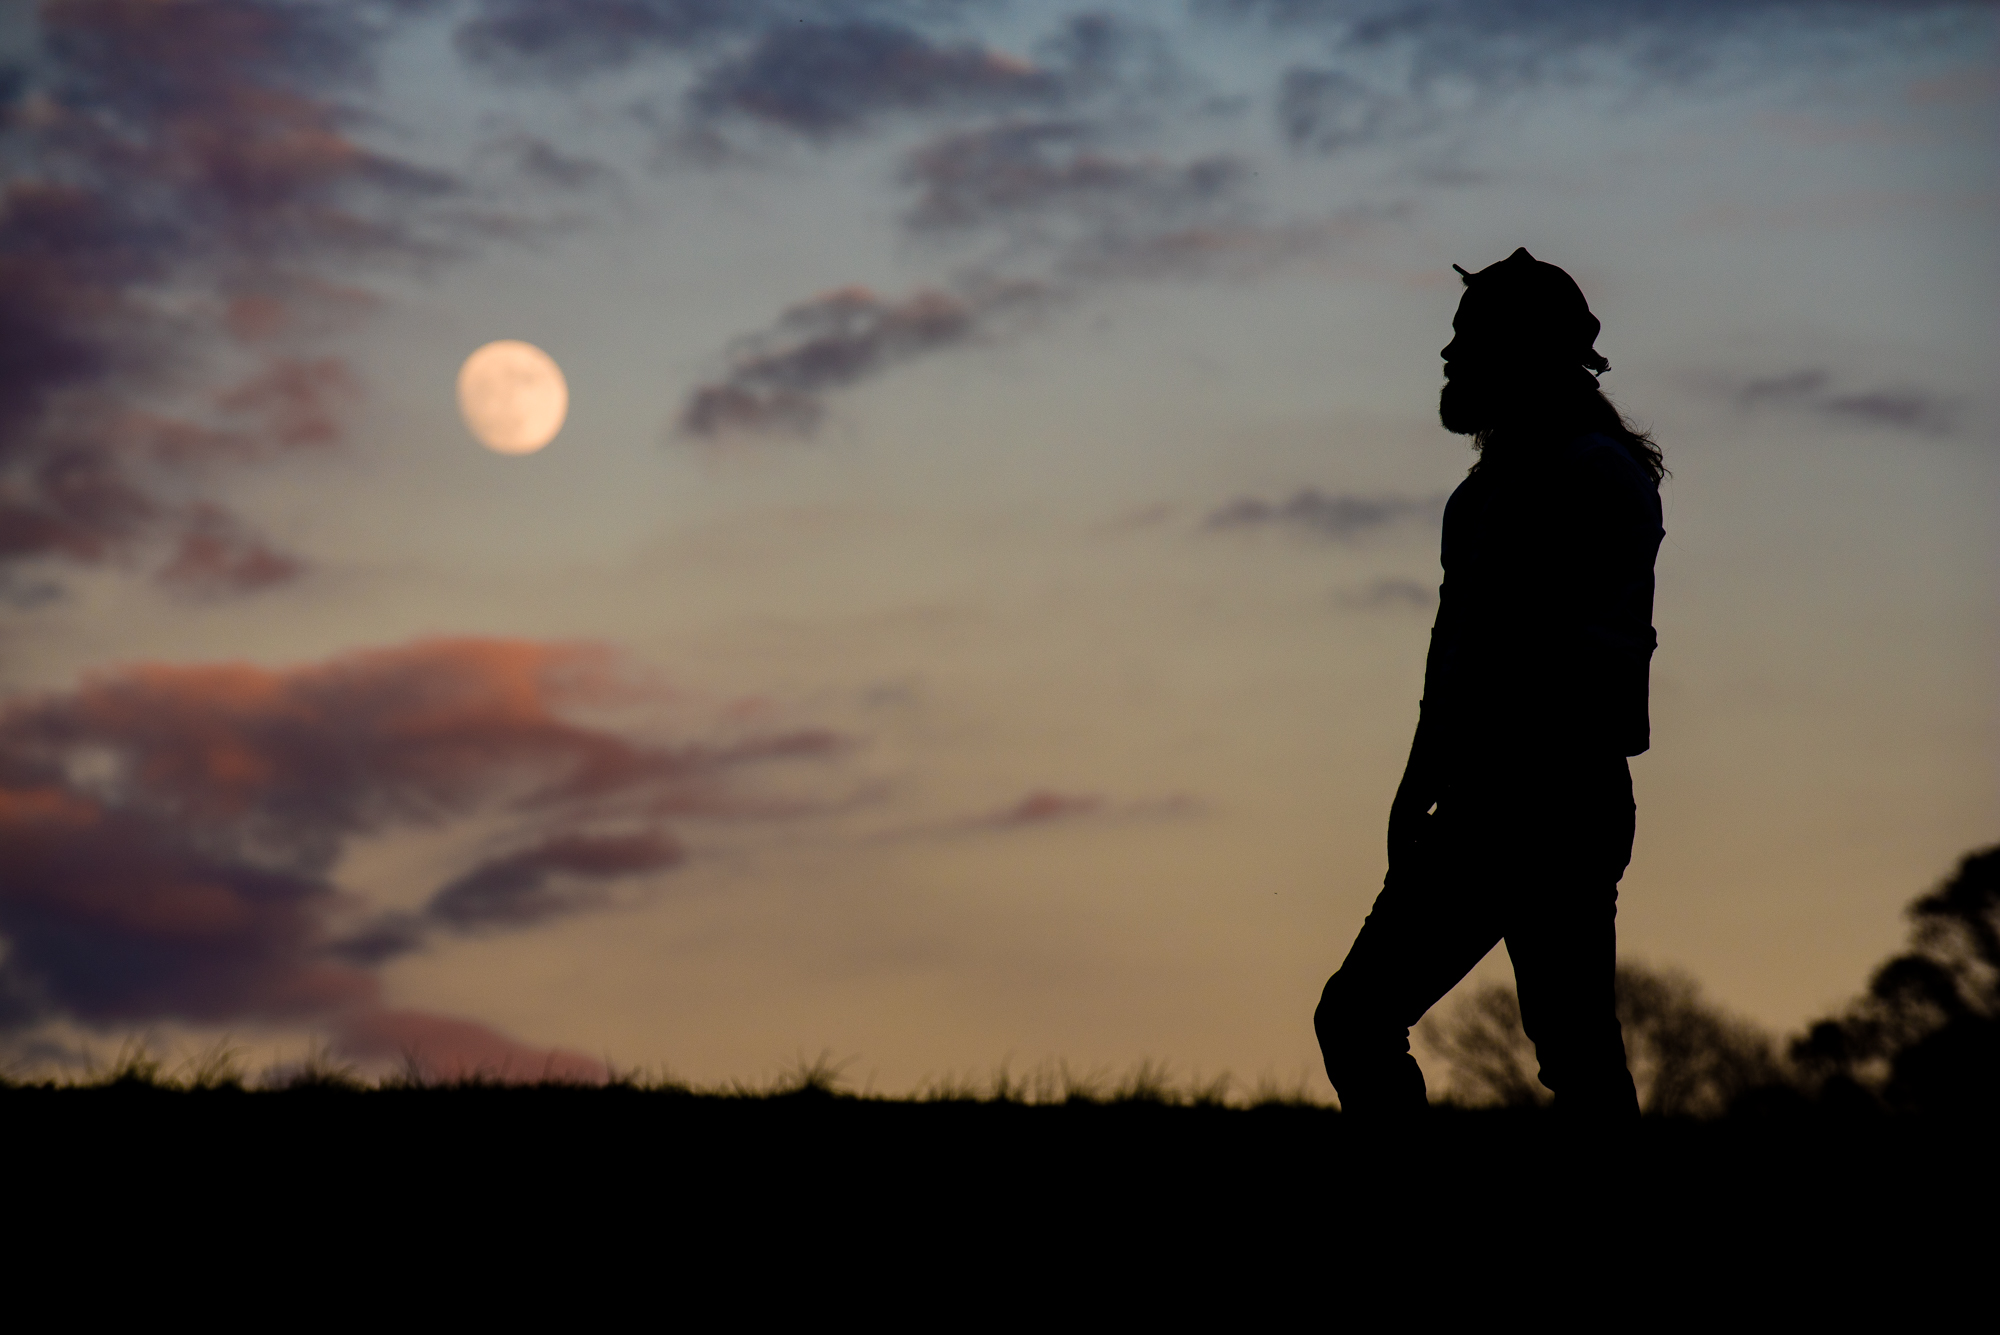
x,y
1426,931
1565,949
1562,932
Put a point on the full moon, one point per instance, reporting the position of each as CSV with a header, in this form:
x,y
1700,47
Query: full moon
x,y
513,396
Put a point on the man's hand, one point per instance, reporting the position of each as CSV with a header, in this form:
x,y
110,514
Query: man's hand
x,y
1409,827
1409,814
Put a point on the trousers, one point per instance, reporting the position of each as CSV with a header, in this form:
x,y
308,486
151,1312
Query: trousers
x,y
1531,855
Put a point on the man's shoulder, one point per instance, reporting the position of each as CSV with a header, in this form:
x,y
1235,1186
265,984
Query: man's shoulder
x,y
1601,460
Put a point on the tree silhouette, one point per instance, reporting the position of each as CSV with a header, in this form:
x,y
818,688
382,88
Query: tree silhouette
x,y
1925,1037
1688,1058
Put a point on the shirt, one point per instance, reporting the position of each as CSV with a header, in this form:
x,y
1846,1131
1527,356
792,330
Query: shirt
x,y
1544,633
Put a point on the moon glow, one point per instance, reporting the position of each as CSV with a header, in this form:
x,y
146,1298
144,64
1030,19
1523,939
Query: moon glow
x,y
513,396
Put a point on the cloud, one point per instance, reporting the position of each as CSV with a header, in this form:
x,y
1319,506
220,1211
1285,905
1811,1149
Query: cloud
x,y
818,69
541,163
821,80
1043,806
1019,170
215,554
569,42
564,874
1239,250
1902,408
446,1048
1326,110
1048,806
1343,515
1067,215
1389,592
525,887
176,170
1397,68
777,380
168,833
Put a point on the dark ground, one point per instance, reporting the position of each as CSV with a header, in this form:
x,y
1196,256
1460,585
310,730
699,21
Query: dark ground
x,y
1116,1206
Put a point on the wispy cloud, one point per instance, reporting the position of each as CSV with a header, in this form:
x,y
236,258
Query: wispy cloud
x,y
564,44
1050,214
177,173
1895,408
1049,806
1341,515
823,80
538,162
167,834
1019,171
1393,69
777,380
1389,592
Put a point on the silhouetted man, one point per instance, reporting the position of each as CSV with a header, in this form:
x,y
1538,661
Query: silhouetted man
x,y
1514,817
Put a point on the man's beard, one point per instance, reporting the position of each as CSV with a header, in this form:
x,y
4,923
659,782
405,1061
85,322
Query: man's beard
x,y
1467,406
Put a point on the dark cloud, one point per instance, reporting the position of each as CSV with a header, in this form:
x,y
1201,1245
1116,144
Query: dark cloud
x,y
216,554
1328,110
821,80
1901,408
541,163
1067,219
1043,806
567,42
1390,592
557,876
777,379
1337,516
815,68
1048,806
166,158
1017,171
1243,248
1388,63
1525,38
167,834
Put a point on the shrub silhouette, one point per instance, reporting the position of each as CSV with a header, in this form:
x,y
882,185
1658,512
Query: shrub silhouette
x,y
1688,1058
1925,1037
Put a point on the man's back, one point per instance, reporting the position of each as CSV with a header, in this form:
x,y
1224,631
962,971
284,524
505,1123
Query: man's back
x,y
1544,628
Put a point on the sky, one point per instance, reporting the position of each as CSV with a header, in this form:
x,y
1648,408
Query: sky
x,y
975,609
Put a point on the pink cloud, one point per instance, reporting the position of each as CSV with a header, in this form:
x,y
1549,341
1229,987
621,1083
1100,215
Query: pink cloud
x,y
1042,806
1046,806
448,1049
167,832
197,148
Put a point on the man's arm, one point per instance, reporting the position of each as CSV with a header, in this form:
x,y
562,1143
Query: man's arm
x,y
1422,785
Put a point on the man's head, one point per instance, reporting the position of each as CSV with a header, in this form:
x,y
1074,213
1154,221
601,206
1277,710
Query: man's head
x,y
1522,337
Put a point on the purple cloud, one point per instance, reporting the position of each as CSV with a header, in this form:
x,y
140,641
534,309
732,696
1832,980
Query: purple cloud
x,y
777,379
822,80
1015,171
1496,48
1897,408
187,148
167,833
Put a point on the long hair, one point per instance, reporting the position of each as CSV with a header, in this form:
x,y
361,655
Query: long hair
x,y
1584,407
1602,416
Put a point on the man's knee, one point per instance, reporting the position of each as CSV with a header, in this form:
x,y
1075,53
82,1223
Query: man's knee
x,y
1354,1026
1335,1019
1367,1055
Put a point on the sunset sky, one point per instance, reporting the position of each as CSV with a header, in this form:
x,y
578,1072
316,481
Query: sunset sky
x,y
976,607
